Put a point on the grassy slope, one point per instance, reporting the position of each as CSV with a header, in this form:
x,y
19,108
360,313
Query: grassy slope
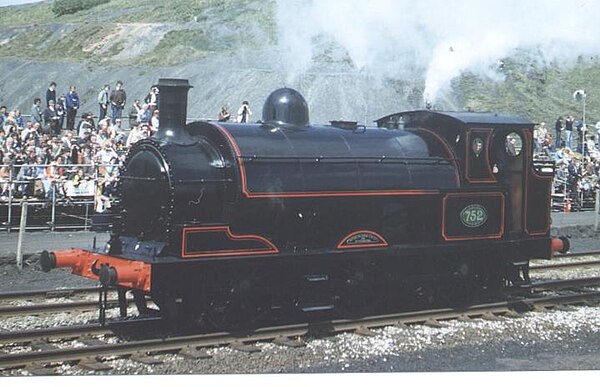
x,y
117,11
198,28
541,92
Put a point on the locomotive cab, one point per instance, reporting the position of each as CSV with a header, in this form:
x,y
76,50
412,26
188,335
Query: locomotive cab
x,y
496,159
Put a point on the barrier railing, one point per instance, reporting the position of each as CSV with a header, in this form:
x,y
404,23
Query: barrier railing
x,y
55,201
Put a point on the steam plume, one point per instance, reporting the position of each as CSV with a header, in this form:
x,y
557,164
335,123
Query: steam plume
x,y
437,39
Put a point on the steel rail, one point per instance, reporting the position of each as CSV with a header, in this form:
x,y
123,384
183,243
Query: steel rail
x,y
28,310
48,293
566,283
171,344
24,337
565,265
577,254
71,331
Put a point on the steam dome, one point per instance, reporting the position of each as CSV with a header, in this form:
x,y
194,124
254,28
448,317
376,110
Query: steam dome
x,y
286,106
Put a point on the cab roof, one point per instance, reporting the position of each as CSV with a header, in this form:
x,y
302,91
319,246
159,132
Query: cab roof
x,y
423,117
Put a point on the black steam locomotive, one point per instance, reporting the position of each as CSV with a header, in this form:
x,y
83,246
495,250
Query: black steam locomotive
x,y
237,225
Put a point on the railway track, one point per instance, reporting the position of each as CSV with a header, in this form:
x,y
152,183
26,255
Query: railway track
x,y
48,293
60,333
78,300
565,265
91,355
571,283
567,261
48,308
37,349
578,254
21,338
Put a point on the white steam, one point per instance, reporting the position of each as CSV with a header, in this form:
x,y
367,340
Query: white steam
x,y
438,39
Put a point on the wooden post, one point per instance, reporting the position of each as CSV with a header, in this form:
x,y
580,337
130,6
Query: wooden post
x,y
597,208
11,192
21,234
53,218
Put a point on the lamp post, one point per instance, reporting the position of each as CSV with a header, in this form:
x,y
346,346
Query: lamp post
x,y
579,95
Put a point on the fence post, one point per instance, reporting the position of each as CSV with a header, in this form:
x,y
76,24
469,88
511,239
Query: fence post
x,y
22,227
10,198
53,216
597,207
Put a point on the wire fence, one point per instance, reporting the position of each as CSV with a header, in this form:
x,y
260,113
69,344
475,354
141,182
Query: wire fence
x,y
64,196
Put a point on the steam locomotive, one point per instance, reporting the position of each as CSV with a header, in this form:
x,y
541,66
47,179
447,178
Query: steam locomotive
x,y
239,225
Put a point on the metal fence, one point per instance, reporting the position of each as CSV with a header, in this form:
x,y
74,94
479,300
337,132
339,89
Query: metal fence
x,y
61,202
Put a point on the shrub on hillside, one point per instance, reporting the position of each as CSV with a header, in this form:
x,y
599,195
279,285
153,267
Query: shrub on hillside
x,y
65,7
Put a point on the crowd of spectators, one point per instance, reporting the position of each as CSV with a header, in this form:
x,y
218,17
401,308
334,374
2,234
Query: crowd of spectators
x,y
57,151
577,159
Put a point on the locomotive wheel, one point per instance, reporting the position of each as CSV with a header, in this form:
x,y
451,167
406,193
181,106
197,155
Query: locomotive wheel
x,y
239,302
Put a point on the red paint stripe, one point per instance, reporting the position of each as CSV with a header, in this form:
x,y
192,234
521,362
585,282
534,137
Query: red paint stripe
x,y
342,193
383,242
530,171
449,152
270,248
474,237
253,195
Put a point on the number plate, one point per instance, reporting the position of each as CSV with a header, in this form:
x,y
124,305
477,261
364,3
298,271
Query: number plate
x,y
474,215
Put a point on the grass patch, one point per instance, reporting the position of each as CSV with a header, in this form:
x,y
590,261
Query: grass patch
x,y
65,7
540,92
25,44
74,45
177,47
215,25
175,11
26,15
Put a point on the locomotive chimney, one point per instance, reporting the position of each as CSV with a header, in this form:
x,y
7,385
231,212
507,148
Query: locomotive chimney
x,y
172,106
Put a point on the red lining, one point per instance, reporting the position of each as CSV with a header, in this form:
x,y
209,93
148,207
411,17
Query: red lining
x,y
448,150
531,171
248,194
270,248
475,237
340,194
383,242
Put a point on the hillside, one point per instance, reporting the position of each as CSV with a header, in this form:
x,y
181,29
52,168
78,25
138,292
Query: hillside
x,y
229,51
